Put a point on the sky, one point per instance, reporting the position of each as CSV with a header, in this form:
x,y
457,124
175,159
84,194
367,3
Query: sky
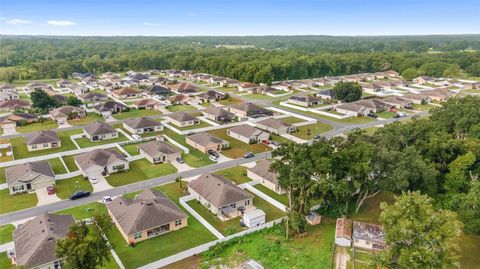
x,y
241,17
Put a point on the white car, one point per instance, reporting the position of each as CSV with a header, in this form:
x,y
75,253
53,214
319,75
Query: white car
x,y
136,137
213,158
106,199
92,180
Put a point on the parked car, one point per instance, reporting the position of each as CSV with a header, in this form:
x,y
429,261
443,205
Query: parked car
x,y
213,158
400,115
372,115
180,160
79,194
92,180
248,155
136,137
275,143
106,199
51,190
213,153
266,142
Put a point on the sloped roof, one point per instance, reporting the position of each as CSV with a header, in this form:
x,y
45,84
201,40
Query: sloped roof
x,y
7,86
64,111
181,116
250,107
92,95
156,148
218,112
96,128
141,122
157,89
13,103
40,137
100,157
27,172
343,228
273,123
262,168
245,130
204,138
126,90
109,105
146,102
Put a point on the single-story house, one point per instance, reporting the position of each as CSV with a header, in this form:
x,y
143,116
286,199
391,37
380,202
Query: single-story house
x,y
398,102
79,89
368,236
248,109
65,113
218,114
423,79
261,172
220,196
157,151
145,104
13,120
14,104
211,96
39,140
65,83
101,161
93,97
343,232
305,100
149,214
179,99
440,94
245,86
276,126
247,134
158,90
142,125
326,94
204,142
36,240
127,92
185,88
418,98
27,177
110,107
96,131
7,87
37,85
182,119
8,95
362,107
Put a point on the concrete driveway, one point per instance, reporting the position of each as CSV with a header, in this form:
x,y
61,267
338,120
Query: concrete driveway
x,y
101,184
223,158
44,198
181,167
9,131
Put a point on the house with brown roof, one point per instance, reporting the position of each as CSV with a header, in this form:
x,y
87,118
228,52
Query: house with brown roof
x,y
220,196
362,107
14,104
305,100
8,95
204,142
13,120
343,232
247,134
423,79
64,113
157,151
248,109
127,92
398,102
36,240
179,99
439,94
186,88
276,126
101,162
368,236
245,86
218,114
109,107
211,96
65,83
145,104
27,177
93,97
418,98
40,140
182,119
96,131
261,172
7,87
142,125
148,215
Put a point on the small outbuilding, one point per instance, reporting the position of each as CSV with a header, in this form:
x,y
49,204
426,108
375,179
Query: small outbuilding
x,y
254,218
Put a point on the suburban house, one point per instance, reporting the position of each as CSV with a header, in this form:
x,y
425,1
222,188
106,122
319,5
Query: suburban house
x,y
8,95
246,86
142,125
179,99
26,177
79,89
204,142
185,88
368,236
12,120
39,140
228,82
218,114
418,98
343,232
158,90
220,196
261,172
101,162
14,104
109,107
182,119
276,126
305,100
106,85
147,215
398,102
37,85
440,94
7,87
35,241
247,134
248,109
93,97
96,131
326,94
65,113
211,96
157,151
145,104
126,92
65,83
62,99
362,107
423,79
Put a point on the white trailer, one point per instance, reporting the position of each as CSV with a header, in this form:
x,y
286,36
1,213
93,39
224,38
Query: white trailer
x,y
254,218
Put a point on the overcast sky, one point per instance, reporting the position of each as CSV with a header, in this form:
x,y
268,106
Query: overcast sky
x,y
240,17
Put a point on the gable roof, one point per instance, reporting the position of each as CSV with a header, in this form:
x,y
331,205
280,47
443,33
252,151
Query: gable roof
x,y
251,107
26,172
343,228
100,157
262,168
211,94
93,95
218,112
7,86
204,138
14,103
40,137
245,130
146,102
109,105
155,148
141,122
35,240
148,210
126,90
17,116
181,116
217,190
96,128
64,111
186,87
156,89
273,123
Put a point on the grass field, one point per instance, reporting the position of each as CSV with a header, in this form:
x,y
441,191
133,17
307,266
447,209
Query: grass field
x,y
191,127
291,120
238,148
140,170
179,108
57,166
84,142
314,129
83,211
421,107
10,203
37,126
136,113
6,233
85,120
280,198
66,187
70,162
237,174
230,101
386,114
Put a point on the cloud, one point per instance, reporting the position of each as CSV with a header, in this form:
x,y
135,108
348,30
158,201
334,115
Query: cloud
x,y
152,24
195,15
17,21
62,23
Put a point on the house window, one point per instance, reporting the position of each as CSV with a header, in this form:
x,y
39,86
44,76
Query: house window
x,y
57,264
118,167
34,146
137,235
234,205
45,145
247,202
18,188
178,222
367,242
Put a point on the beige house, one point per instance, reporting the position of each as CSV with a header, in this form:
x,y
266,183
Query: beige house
x,y
159,151
142,125
126,92
101,162
148,215
276,126
218,114
26,177
248,109
35,241
64,113
145,104
398,102
368,236
14,105
96,131
247,134
204,142
220,196
42,140
182,119
305,100
261,172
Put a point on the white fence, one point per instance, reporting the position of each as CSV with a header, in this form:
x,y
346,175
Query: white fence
x,y
315,111
183,202
182,147
250,186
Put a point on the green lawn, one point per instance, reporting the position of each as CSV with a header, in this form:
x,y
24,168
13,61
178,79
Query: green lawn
x,y
165,245
37,126
84,142
279,139
230,101
67,187
140,170
57,166
226,89
238,148
386,114
195,158
280,198
10,203
5,262
4,157
83,211
178,108
191,127
85,120
70,162
271,212
291,120
314,129
3,178
6,233
421,107
20,150
136,113
205,104
132,149
237,174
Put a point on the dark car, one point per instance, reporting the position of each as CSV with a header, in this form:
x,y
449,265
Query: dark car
x,y
248,155
372,115
275,143
180,160
213,153
79,194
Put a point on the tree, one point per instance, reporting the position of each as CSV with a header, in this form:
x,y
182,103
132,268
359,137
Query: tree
x,y
459,177
410,73
85,245
469,208
348,91
419,235
74,101
42,102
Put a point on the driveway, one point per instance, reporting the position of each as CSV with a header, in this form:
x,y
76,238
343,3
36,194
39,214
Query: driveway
x,y
101,184
181,167
44,198
9,131
223,158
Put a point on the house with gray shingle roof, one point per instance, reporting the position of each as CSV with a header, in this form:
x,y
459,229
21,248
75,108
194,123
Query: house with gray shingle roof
x,y
204,142
96,131
218,114
110,107
247,134
142,125
276,126
39,140
261,172
148,215
27,177
159,151
64,113
248,109
36,240
101,161
182,119
219,195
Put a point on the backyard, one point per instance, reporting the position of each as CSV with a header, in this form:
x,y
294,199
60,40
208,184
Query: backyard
x,y
238,148
10,203
6,233
37,126
291,120
195,158
191,127
66,187
57,166
237,174
280,198
230,101
140,170
309,131
84,142
137,113
89,118
70,162
179,108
